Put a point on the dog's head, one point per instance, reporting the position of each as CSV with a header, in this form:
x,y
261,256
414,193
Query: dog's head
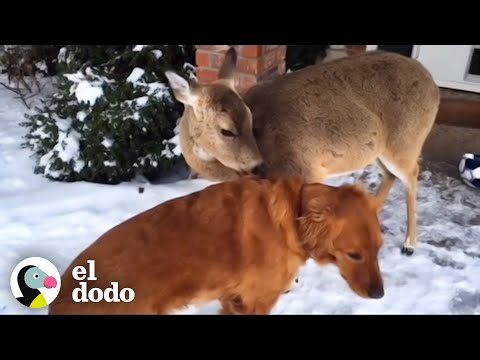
x,y
340,226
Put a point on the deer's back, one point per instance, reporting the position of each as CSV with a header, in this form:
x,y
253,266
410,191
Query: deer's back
x,y
353,104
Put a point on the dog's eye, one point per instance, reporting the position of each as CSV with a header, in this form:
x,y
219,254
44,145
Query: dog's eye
x,y
354,256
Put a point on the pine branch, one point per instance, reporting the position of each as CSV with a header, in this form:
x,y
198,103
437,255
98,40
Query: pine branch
x,y
22,97
21,94
15,90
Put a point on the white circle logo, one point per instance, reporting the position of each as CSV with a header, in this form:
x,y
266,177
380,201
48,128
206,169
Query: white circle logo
x,y
35,282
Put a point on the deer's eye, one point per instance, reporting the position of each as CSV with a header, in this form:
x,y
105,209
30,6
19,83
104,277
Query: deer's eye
x,y
227,133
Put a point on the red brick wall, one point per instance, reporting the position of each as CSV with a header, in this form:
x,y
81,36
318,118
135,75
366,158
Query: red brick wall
x,y
254,62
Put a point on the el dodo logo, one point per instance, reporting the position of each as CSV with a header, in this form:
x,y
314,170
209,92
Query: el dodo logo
x,y
35,282
110,294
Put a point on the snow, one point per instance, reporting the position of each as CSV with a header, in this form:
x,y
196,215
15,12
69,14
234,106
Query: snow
x,y
41,65
135,75
158,53
107,142
57,220
177,150
81,115
87,87
62,54
156,88
159,90
139,47
40,133
67,148
88,93
141,101
167,152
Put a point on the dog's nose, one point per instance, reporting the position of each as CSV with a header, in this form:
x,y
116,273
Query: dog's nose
x,y
259,170
375,292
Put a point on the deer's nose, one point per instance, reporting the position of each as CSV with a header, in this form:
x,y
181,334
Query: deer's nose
x,y
259,170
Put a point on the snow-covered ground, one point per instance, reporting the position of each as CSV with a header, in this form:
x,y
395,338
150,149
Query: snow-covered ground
x,y
56,221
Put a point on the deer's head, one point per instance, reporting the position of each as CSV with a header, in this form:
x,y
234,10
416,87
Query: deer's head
x,y
218,121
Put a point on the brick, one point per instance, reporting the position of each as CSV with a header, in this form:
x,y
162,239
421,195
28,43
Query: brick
x,y
271,47
212,47
216,59
269,60
203,47
254,62
281,54
247,81
249,66
252,51
209,58
259,65
202,58
207,75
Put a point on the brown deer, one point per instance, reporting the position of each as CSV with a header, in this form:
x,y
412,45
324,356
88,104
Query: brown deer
x,y
318,122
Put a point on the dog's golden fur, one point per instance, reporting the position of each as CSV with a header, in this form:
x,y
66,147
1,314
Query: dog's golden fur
x,y
240,242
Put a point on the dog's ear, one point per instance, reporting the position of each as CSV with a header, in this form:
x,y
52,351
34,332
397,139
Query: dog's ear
x,y
318,221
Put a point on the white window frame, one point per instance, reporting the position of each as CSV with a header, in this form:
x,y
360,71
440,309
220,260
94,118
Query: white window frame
x,y
459,81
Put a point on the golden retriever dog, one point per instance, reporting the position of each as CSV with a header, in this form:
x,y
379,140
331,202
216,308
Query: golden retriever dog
x,y
240,242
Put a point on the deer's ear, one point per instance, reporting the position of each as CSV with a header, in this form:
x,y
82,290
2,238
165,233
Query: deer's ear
x,y
227,71
182,89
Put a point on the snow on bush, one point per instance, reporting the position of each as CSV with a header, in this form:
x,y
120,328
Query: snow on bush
x,y
113,115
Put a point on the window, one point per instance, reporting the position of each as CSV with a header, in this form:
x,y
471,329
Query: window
x,y
474,67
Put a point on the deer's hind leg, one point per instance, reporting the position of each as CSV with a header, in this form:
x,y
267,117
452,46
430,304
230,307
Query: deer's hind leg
x,y
407,172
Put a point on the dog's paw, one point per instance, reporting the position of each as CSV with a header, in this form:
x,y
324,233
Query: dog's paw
x,y
407,251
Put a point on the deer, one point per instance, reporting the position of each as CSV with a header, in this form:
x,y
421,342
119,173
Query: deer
x,y
322,121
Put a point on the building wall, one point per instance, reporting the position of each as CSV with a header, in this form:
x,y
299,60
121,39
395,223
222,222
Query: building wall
x,y
254,62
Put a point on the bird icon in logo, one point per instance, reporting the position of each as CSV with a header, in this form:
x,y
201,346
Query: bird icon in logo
x,y
31,278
